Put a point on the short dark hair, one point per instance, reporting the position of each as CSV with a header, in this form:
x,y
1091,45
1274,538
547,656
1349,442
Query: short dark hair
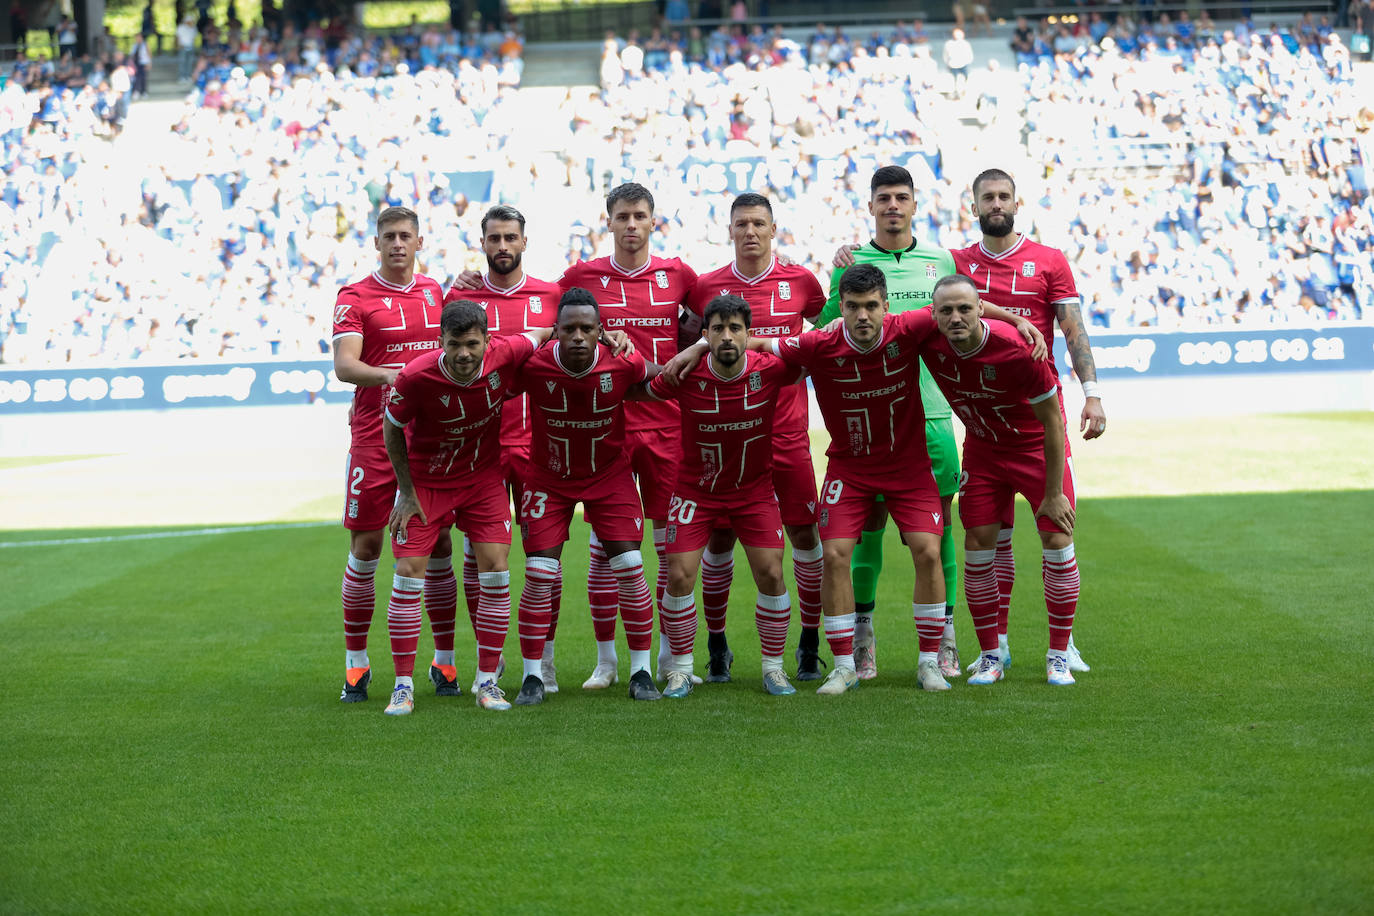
x,y
750,199
396,215
461,316
863,278
953,280
503,213
993,175
890,175
629,192
574,297
727,306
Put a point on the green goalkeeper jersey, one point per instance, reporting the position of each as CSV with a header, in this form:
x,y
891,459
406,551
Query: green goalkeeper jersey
x,y
911,275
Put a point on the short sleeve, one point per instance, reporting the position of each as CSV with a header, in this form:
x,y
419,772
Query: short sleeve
x,y
660,389
400,403
348,317
915,325
1061,285
1043,383
813,300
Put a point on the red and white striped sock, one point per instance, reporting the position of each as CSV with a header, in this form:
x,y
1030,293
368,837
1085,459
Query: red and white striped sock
x,y
541,575
1006,578
472,589
1061,594
403,622
493,618
772,615
678,616
839,633
359,595
636,607
930,626
717,571
661,551
807,567
602,594
555,605
441,604
981,592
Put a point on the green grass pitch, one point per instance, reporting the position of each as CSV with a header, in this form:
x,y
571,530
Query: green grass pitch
x,y
174,742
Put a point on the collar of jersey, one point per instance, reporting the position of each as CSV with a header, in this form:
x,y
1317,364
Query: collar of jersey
x,y
596,359
509,291
389,285
734,269
711,367
882,332
997,257
912,247
629,273
443,369
982,344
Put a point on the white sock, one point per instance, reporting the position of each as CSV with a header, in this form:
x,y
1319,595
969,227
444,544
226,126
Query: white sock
x,y
772,663
639,660
863,626
534,667
605,652
923,657
405,682
1002,645
443,658
484,676
356,659
844,661
683,663
548,650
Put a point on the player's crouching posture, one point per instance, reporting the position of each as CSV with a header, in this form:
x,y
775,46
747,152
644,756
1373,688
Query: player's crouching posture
x,y
442,435
1015,444
728,403
577,389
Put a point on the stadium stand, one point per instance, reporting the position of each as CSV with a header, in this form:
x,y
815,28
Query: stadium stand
x,y
1196,175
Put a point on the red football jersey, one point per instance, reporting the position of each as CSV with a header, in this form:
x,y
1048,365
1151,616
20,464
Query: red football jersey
x,y
993,387
779,298
396,323
727,424
643,303
1028,279
578,421
451,428
527,305
870,399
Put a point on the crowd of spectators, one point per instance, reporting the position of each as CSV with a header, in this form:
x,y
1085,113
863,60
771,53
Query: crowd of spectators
x,y
232,236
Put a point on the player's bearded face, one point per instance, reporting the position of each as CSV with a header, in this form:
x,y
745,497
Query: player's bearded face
x,y
463,352
727,338
863,315
995,207
503,244
998,225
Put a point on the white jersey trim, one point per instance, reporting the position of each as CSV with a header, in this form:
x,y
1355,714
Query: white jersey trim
x,y
507,291
630,273
596,361
343,334
997,257
393,420
1044,397
389,285
987,332
753,281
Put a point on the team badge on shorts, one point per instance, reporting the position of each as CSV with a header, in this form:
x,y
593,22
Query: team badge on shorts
x,y
893,351
825,518
931,272
672,534
661,278
755,382
429,296
352,508
536,305
1027,268
605,382
784,290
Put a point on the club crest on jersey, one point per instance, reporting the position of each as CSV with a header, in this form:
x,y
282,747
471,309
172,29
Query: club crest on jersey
x,y
755,382
443,399
784,290
494,381
931,272
661,278
605,382
893,351
1027,268
429,297
990,373
536,305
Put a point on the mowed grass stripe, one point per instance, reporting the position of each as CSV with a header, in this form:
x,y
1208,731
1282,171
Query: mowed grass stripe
x,y
184,748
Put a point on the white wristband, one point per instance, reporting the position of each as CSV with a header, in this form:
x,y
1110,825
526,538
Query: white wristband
x,y
1092,389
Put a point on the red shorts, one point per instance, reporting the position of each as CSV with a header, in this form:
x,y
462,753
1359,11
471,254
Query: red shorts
x,y
514,461
753,514
845,502
991,480
479,509
369,488
654,456
609,503
794,478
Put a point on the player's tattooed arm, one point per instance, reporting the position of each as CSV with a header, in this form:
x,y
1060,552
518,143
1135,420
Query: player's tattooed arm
x,y
349,366
407,503
1093,421
1055,506
1031,334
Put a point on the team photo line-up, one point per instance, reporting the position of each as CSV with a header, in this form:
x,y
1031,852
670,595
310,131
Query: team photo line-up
x,y
649,393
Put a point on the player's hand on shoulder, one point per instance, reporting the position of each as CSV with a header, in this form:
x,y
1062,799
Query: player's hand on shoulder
x,y
619,342
468,280
1032,336
844,256
678,367
832,326
406,508
389,376
1093,421
1059,510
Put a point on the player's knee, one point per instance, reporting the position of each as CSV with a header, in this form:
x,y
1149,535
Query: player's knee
x,y
1055,540
837,557
366,545
769,580
681,579
803,537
